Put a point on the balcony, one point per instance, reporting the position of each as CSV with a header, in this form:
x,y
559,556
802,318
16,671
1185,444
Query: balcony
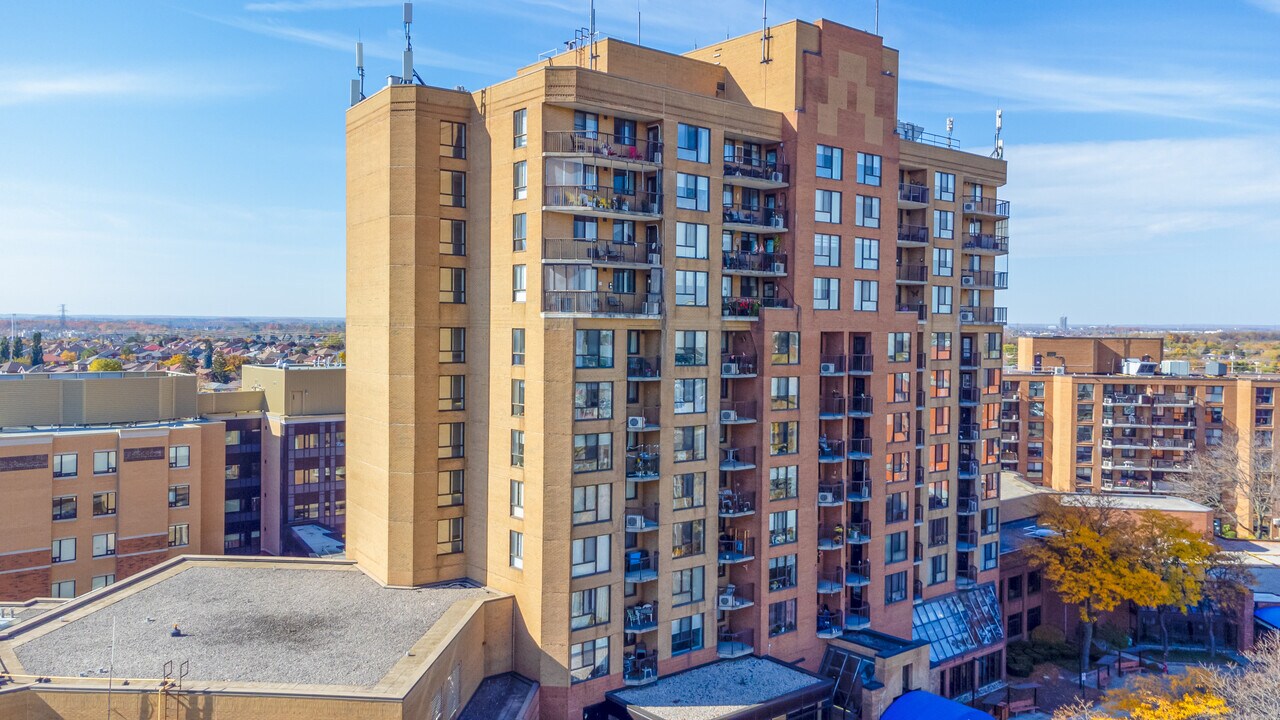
x,y
768,264
1173,444
967,505
919,476
858,491
738,412
1007,416
986,244
601,201
831,582
966,576
913,274
1126,399
985,279
740,308
830,537
858,574
831,365
1126,443
1009,437
831,408
971,360
600,253
967,541
640,566
737,366
1009,457
644,369
1174,400
601,303
732,643
1186,423
913,236
642,519
830,451
618,151
1125,421
858,448
983,315
857,617
830,624
737,550
858,533
858,406
735,596
917,592
740,503
1125,464
917,553
967,468
755,173
733,459
641,618
1171,466
968,433
754,219
912,196
920,310
939,502
643,419
830,495
969,395
986,207
639,670
642,465
1010,396
861,364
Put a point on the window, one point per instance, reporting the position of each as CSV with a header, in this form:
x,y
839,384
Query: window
x,y
686,634
826,250
518,283
64,508
688,538
826,293
826,206
944,224
517,550
899,347
782,527
944,186
786,348
452,392
592,401
830,162
938,569
900,387
939,534
691,348
1033,618
453,188
693,192
453,139
782,572
940,384
453,285
866,254
449,536
990,520
895,587
179,535
691,288
449,487
1015,625
593,503
519,232
589,660
588,608
895,547
940,346
868,211
520,179
691,240
453,345
942,299
517,346
64,550
895,507
593,349
592,452
104,462
64,589
939,494
104,503
693,143
1264,395
690,443
104,545
782,617
990,555
783,482
690,396
64,466
453,237
689,491
101,581
520,127
688,586
943,259
452,438
866,295
940,459
179,496
784,393
869,169
784,438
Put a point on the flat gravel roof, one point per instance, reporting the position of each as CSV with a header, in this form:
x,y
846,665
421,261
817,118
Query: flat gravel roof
x,y
716,689
268,624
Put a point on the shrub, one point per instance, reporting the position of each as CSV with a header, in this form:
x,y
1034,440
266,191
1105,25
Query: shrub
x,y
1112,635
1048,634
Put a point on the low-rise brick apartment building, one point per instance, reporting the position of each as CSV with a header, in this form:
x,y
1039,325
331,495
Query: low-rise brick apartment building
x,y
1108,414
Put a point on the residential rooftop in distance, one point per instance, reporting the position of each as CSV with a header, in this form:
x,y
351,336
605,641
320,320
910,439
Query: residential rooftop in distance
x,y
725,689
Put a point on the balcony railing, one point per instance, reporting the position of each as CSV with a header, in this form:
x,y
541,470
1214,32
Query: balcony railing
x,y
738,167
1125,442
970,359
858,448
913,273
967,540
861,364
969,395
857,574
641,368
769,263
732,643
737,503
915,133
986,206
760,219
1010,396
738,412
913,193
858,405
606,145
917,552
598,198
642,518
857,617
642,466
830,451
645,418
983,241
967,505
737,550
831,582
830,537
1174,400
917,591
913,234
858,491
1170,466
602,303
600,252
735,365
920,310
966,576
858,532
1173,443
983,315
737,458
1169,422
749,308
831,365
639,670
830,624
830,494
736,596
831,408
640,566
641,618
995,279
1010,416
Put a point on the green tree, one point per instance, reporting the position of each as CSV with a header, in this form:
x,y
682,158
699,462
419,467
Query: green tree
x,y
17,351
219,370
335,341
4,349
105,365
37,349
208,355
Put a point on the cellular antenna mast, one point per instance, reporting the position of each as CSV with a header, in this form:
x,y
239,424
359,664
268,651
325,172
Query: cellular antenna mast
x,y
592,35
357,85
998,153
764,34
408,75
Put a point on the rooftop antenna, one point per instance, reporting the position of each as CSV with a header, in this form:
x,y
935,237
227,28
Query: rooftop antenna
x,y
998,153
951,126
764,34
637,22
877,17
62,310
408,75
357,85
592,37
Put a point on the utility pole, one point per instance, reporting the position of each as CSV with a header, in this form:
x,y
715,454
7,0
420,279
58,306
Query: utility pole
x,y
62,310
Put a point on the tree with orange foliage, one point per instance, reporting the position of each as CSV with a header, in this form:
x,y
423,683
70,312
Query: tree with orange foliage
x,y
68,357
1181,557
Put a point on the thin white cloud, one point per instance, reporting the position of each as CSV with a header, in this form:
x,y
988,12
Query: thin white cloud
x,y
1271,6
27,85
295,6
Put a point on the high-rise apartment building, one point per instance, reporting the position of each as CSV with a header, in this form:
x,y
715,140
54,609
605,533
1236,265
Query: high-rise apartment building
x,y
669,452
1109,414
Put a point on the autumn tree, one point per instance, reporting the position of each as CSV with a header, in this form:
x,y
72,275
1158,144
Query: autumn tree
x,y
335,341
235,362
1225,476
1180,557
105,365
1091,558
68,357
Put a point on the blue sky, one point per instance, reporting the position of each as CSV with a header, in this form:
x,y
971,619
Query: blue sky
x,y
187,157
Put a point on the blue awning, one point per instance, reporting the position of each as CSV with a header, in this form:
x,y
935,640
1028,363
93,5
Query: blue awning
x,y
920,704
1269,616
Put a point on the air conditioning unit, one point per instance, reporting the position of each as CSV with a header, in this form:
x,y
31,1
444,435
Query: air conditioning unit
x,y
729,368
1059,370
777,221
635,423
778,268
655,259
971,207
652,308
967,280
725,599
776,176
826,497
827,368
966,316
635,522
728,416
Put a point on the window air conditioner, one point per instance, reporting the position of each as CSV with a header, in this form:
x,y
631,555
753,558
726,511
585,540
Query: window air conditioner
x,y
970,207
729,369
777,221
651,308
728,416
967,280
635,423
966,316
826,497
827,368
635,522
655,259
